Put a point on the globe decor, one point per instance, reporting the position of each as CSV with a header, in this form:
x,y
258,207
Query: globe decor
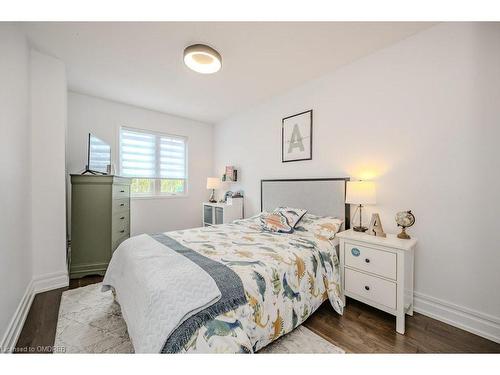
x,y
404,219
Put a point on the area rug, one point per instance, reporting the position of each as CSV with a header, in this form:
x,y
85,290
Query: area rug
x,y
91,322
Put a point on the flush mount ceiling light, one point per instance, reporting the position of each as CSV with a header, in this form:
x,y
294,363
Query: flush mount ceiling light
x,y
202,59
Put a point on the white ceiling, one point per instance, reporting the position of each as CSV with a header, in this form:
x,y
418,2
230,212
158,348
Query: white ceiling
x,y
141,63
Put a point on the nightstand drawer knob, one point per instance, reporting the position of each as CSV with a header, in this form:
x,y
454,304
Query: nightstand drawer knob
x,y
367,260
367,287
355,252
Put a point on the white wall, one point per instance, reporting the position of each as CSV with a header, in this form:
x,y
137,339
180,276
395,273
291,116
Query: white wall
x,y
104,118
15,159
48,132
32,188
420,118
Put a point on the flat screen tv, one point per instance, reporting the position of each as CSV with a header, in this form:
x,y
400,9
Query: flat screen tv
x,y
99,155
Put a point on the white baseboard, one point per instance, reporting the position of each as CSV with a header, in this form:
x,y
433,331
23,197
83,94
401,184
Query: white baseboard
x,y
39,284
16,324
50,281
473,321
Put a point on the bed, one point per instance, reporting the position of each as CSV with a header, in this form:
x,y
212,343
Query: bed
x,y
281,278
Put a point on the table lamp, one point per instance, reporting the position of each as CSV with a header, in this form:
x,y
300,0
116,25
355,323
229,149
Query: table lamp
x,y
360,193
213,183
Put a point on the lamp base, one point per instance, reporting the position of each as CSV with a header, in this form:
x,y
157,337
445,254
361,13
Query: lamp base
x,y
212,197
360,229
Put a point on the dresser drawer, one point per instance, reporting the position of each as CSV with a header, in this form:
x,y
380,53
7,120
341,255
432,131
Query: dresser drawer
x,y
120,227
371,260
119,240
371,287
121,191
120,236
120,205
120,219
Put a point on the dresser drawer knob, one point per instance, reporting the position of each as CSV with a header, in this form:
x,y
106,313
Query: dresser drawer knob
x,y
367,260
122,191
122,204
355,251
123,231
367,287
123,217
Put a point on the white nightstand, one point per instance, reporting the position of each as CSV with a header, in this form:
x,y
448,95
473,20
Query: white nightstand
x,y
222,213
379,272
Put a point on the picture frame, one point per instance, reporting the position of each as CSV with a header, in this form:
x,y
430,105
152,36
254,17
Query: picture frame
x,y
296,137
231,174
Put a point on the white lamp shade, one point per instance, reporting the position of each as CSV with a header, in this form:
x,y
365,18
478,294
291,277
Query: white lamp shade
x,y
360,192
213,182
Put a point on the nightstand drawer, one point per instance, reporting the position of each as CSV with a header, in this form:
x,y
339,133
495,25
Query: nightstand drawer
x,y
371,260
371,287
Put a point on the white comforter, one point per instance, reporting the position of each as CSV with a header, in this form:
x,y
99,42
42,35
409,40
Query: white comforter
x,y
154,291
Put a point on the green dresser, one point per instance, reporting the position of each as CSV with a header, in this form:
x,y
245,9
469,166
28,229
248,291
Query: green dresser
x,y
100,221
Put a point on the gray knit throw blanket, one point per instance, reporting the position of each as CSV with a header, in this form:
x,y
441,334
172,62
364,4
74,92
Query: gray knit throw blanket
x,y
228,282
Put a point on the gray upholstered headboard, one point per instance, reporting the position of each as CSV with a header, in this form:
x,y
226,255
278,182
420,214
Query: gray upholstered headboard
x,y
320,196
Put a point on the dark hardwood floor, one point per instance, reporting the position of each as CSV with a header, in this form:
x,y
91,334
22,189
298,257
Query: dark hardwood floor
x,y
39,330
362,329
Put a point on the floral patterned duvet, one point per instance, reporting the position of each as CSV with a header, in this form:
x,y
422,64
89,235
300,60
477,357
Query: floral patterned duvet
x,y
286,277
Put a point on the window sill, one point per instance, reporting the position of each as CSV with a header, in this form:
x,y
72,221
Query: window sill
x,y
146,197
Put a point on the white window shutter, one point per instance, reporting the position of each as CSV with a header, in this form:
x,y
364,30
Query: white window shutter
x,y
172,158
152,155
137,154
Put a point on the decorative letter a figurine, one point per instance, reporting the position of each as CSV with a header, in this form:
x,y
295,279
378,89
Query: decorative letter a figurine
x,y
375,228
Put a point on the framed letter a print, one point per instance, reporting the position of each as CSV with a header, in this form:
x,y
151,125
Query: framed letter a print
x,y
296,137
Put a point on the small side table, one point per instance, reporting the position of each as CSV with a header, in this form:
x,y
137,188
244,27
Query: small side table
x,y
378,271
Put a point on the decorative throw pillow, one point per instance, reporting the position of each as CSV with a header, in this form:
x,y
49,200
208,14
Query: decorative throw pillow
x,y
275,222
293,215
322,227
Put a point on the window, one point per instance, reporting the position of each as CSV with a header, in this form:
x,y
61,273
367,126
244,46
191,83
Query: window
x,y
156,162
